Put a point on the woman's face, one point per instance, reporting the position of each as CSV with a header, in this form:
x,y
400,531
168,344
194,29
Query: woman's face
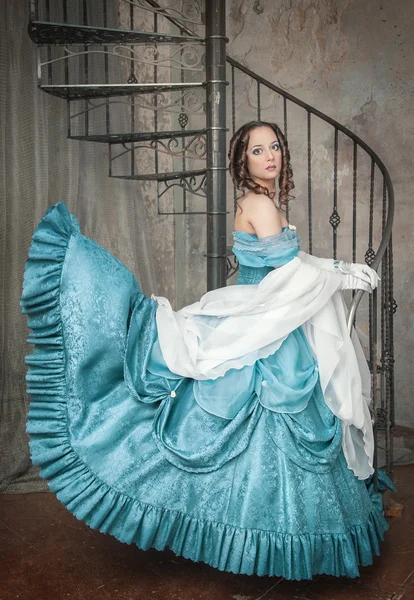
x,y
264,156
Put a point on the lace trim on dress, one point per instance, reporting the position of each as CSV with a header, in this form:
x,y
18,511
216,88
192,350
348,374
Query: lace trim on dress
x,y
270,244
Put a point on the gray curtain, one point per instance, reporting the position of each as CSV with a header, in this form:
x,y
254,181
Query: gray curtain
x,y
38,167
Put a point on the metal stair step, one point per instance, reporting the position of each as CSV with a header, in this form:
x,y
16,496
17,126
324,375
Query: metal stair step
x,y
56,34
140,136
106,90
162,176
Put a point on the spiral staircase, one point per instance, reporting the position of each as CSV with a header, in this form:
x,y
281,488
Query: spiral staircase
x,y
154,83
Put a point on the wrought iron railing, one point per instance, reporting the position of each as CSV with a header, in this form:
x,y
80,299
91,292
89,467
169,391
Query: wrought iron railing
x,y
139,61
380,356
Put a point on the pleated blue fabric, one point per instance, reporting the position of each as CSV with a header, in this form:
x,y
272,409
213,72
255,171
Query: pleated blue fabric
x,y
245,473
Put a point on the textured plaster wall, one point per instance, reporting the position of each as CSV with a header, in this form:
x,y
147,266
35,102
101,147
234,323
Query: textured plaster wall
x,y
353,60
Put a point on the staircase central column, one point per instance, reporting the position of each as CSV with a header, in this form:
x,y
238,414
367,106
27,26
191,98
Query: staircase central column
x,y
216,142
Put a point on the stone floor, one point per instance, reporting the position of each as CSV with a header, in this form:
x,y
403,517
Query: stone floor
x,y
45,553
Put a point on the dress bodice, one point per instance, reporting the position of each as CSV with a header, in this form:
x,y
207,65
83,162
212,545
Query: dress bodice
x,y
258,256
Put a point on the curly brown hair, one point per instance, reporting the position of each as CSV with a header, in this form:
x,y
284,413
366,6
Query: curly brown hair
x,y
238,163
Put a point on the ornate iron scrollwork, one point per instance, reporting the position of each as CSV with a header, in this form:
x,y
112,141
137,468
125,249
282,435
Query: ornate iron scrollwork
x,y
187,57
334,219
183,120
369,256
387,361
195,148
189,102
381,418
189,12
232,264
196,185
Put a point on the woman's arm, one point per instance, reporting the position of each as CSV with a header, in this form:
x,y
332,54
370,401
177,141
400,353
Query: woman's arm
x,y
354,275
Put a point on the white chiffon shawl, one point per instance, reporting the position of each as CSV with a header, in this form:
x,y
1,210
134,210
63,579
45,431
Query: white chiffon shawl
x,y
236,325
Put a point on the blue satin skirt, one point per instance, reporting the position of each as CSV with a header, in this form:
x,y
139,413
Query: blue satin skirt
x,y
245,473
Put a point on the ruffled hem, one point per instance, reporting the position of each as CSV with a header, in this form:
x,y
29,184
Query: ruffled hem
x,y
102,507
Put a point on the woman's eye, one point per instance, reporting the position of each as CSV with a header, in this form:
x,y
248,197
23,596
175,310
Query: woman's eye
x,y
256,151
276,146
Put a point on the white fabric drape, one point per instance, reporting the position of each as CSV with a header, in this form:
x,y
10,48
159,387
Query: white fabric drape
x,y
235,326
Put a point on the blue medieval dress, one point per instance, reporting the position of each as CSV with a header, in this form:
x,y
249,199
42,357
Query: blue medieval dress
x,y
244,471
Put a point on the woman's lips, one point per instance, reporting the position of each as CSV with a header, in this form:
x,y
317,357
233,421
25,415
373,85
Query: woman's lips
x,y
271,168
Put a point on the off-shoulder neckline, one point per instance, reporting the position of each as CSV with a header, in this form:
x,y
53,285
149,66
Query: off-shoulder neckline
x,y
237,232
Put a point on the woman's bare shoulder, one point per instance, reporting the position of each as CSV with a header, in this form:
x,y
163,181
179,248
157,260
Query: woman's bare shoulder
x,y
251,200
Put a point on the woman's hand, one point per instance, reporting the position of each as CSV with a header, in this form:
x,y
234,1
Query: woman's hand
x,y
359,270
351,282
355,276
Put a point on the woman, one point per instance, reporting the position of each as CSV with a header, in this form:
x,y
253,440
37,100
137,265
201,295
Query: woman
x,y
219,431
